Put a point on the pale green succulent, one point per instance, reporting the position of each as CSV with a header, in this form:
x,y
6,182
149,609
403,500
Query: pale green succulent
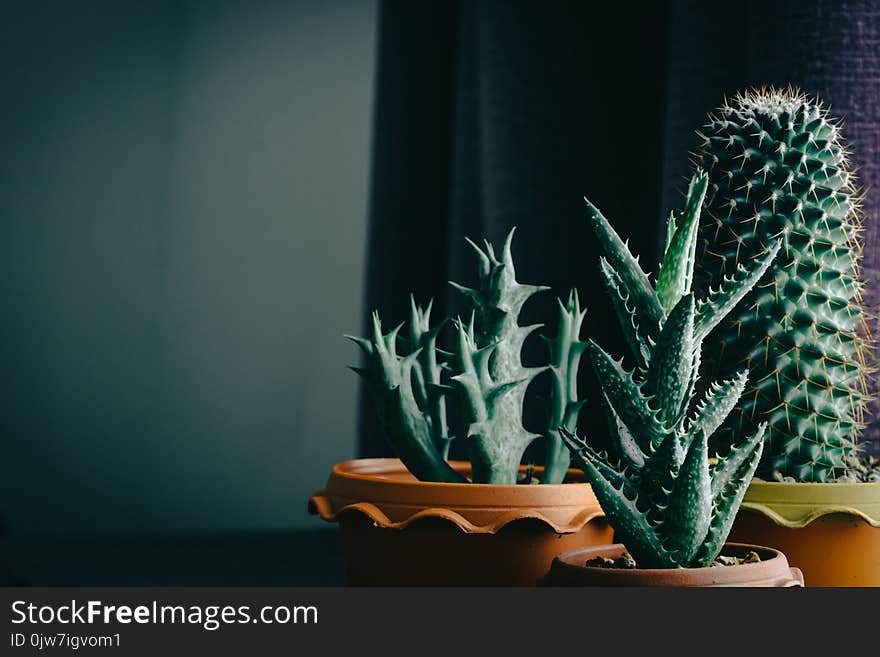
x,y
484,376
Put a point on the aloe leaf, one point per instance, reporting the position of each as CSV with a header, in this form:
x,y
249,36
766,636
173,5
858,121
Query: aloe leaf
x,y
720,302
677,269
626,397
639,288
670,370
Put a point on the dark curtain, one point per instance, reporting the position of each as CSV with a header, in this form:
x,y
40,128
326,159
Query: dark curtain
x,y
491,115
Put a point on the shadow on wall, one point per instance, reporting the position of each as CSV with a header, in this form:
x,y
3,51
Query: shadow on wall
x,y
185,194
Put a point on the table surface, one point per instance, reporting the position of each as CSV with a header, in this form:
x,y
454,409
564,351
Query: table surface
x,y
296,558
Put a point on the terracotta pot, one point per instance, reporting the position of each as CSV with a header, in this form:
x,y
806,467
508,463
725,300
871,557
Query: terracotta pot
x,y
397,530
773,570
830,531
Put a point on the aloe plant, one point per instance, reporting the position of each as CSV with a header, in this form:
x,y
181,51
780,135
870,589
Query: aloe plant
x,y
778,168
483,377
669,506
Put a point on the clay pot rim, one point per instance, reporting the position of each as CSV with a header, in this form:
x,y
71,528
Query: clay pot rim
x,y
773,567
366,469
382,488
795,505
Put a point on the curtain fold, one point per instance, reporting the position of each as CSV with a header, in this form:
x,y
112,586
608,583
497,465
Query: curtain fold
x,y
492,115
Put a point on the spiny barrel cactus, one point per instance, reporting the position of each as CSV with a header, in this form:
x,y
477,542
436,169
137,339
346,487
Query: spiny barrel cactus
x,y
778,168
411,390
668,505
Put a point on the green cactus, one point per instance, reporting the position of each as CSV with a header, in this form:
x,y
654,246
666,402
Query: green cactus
x,y
778,168
489,370
410,415
565,355
668,505
485,369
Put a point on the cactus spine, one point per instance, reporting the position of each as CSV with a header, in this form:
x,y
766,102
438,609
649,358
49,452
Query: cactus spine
x,y
485,369
778,168
668,505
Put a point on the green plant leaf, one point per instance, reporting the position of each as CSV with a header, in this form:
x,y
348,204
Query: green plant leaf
x,y
639,289
627,316
727,503
618,499
621,437
728,466
626,397
677,269
657,477
687,519
720,302
582,452
717,404
670,231
672,360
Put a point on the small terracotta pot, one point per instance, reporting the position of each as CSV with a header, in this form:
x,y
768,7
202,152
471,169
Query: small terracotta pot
x,y
830,531
773,570
399,531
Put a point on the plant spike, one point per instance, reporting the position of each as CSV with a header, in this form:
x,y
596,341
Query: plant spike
x,y
729,498
626,315
489,370
431,392
677,269
565,355
629,403
778,167
672,362
668,505
688,507
408,426
641,294
411,391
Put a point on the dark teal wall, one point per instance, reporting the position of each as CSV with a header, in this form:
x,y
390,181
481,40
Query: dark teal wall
x,y
184,189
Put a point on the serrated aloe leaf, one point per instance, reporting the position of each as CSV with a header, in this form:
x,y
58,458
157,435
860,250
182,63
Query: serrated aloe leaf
x,y
564,403
689,393
641,293
687,519
488,368
626,397
670,231
627,316
411,436
728,466
622,439
720,302
717,404
582,452
618,500
727,503
660,470
670,370
677,269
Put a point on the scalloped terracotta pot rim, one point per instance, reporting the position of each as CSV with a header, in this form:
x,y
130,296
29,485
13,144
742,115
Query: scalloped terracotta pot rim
x,y
773,570
831,531
397,530
385,491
